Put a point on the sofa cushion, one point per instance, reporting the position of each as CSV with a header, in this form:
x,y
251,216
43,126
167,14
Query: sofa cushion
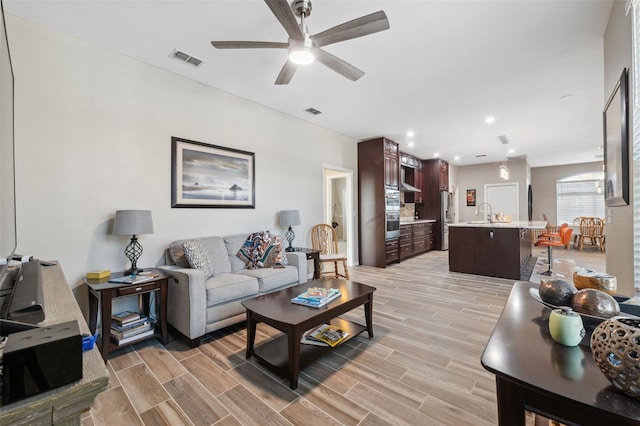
x,y
233,243
198,257
176,253
270,279
223,288
262,250
217,250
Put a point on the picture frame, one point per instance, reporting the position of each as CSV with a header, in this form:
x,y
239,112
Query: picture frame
x,y
211,176
471,197
616,144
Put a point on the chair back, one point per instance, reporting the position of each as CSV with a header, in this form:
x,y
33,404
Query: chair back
x,y
598,228
586,226
323,238
565,236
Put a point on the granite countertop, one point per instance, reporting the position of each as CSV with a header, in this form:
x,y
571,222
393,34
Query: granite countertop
x,y
409,221
536,224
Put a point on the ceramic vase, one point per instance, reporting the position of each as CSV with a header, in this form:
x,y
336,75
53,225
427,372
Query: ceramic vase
x,y
615,345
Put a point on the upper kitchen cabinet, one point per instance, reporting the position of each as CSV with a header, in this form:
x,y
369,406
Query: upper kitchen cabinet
x,y
411,178
391,164
444,175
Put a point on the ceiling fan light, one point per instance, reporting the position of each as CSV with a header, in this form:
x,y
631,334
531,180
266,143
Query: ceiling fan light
x,y
301,56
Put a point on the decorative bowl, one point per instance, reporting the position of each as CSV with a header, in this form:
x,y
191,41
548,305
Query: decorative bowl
x,y
615,345
595,302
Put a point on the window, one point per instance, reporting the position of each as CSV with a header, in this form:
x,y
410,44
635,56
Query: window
x,y
580,195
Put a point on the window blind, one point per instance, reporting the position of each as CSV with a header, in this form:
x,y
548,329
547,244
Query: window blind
x,y
579,198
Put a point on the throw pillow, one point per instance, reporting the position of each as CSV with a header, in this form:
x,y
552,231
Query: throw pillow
x,y
176,252
262,250
198,257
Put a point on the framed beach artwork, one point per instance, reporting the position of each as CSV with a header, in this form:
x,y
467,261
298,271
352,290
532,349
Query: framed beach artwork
x,y
205,175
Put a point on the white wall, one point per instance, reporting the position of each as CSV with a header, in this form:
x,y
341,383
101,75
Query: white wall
x,y
93,135
617,55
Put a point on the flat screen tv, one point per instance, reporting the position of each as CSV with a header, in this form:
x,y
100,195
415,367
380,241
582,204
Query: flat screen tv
x,y
8,233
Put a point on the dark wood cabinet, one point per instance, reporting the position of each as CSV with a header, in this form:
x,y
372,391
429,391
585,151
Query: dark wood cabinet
x,y
443,177
436,180
418,182
430,238
392,252
378,170
415,238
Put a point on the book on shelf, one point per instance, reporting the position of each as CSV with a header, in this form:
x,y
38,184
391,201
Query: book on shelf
x,y
329,334
133,332
133,279
130,325
122,341
125,317
308,299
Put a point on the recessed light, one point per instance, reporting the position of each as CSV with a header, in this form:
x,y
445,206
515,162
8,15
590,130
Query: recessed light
x,y
410,144
511,151
456,158
435,154
489,120
410,134
599,147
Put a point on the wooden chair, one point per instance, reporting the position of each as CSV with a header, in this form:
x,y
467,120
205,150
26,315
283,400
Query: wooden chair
x,y
597,233
555,240
323,238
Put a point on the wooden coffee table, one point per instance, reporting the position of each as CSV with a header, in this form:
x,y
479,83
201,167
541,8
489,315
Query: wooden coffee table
x,y
285,355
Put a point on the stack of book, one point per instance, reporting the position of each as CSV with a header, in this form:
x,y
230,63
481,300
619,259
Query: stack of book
x,y
324,335
128,326
317,297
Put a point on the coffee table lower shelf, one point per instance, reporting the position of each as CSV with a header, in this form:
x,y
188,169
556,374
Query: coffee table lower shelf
x,y
275,356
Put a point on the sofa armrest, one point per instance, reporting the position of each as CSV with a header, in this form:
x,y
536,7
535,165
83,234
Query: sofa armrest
x,y
299,260
187,307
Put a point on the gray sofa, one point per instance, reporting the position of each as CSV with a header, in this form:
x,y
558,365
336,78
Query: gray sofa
x,y
198,306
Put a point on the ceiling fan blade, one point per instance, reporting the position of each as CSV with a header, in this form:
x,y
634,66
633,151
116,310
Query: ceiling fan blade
x,y
338,65
287,19
359,27
286,73
248,45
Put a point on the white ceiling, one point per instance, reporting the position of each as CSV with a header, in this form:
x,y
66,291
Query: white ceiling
x,y
441,68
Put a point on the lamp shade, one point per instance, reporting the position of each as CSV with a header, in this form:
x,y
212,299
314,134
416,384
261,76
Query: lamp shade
x,y
133,222
289,217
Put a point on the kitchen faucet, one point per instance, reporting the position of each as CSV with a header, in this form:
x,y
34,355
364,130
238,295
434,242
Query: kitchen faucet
x,y
490,217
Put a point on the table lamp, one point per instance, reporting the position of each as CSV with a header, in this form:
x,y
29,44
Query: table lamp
x,y
133,222
290,218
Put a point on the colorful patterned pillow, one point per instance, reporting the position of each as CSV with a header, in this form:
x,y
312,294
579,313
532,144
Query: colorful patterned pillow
x,y
263,250
198,257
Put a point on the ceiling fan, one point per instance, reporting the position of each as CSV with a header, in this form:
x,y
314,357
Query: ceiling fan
x,y
304,48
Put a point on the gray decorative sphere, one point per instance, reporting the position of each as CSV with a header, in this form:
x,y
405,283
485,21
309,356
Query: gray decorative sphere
x,y
615,345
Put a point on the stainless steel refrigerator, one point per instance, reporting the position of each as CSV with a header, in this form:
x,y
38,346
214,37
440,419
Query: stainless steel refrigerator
x,y
446,217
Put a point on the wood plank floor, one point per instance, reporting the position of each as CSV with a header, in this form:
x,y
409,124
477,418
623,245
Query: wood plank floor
x,y
421,368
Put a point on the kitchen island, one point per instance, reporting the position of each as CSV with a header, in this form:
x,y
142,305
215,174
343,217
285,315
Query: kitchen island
x,y
491,249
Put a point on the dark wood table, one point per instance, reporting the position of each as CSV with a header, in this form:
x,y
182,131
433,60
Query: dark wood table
x,y
312,254
285,355
534,373
104,292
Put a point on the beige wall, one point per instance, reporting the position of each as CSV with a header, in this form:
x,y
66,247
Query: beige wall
x,y
617,55
477,176
93,134
543,183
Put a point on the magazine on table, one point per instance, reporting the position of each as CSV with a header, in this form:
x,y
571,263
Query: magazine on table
x,y
315,298
329,334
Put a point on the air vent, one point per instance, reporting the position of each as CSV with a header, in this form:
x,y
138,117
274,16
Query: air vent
x,y
517,157
599,155
186,58
481,155
503,139
313,111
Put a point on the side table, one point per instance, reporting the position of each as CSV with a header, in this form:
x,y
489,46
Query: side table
x,y
314,255
103,292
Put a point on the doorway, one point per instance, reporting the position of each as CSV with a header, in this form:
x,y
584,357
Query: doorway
x,y
338,207
503,198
